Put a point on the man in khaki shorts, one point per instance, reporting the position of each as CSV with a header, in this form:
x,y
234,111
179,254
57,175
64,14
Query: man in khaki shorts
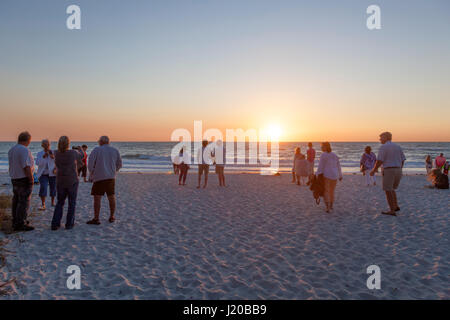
x,y
391,157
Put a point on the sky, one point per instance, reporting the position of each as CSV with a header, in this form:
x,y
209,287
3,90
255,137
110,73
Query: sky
x,y
138,70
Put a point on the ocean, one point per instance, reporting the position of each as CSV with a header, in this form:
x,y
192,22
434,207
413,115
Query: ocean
x,y
155,156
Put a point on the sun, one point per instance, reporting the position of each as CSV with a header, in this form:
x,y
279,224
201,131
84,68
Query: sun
x,y
273,132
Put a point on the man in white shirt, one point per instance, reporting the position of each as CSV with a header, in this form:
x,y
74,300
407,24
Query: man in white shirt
x,y
392,158
21,166
104,162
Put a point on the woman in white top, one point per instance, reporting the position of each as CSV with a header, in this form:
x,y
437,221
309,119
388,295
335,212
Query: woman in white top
x,y
46,173
330,167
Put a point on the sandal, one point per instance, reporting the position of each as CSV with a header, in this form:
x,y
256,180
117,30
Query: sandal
x,y
112,219
93,221
42,208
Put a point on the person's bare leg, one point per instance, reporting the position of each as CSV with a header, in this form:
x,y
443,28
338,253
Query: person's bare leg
x,y
220,179
394,196
298,179
97,206
293,176
206,180
390,200
199,180
43,202
53,201
223,179
112,206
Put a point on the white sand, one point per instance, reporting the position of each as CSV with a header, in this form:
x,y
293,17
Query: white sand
x,y
260,238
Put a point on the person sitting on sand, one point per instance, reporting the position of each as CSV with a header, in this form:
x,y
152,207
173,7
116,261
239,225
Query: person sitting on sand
x,y
21,167
367,162
220,155
310,156
45,160
204,157
392,158
103,164
438,179
66,162
428,164
183,168
330,167
440,161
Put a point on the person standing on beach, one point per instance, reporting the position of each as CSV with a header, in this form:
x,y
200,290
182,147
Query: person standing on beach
x,y
83,170
392,158
183,168
219,155
428,164
45,160
330,167
440,161
310,156
203,164
301,166
21,166
103,164
367,162
66,162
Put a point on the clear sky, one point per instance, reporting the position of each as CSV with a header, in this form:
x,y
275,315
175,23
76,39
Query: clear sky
x,y
137,70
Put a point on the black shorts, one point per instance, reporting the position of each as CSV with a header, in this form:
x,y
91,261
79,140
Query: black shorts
x,y
99,188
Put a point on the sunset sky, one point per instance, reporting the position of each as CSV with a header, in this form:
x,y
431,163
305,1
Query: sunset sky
x,y
137,70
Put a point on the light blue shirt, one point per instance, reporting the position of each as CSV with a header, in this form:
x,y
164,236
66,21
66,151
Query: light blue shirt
x,y
391,155
19,158
104,162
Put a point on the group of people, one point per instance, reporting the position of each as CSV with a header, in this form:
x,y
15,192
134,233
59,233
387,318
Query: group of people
x,y
59,171
390,157
303,166
206,156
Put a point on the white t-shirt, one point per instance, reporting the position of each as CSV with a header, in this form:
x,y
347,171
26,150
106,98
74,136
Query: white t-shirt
x,y
19,158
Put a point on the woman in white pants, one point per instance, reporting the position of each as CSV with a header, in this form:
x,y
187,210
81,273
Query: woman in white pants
x,y
368,160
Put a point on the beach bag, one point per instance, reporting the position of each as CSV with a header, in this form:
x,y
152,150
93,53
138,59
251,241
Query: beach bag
x,y
317,187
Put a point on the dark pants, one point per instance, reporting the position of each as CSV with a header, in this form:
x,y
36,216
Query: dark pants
x,y
22,189
45,181
62,194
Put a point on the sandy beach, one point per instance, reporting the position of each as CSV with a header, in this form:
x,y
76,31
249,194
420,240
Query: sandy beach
x,y
261,237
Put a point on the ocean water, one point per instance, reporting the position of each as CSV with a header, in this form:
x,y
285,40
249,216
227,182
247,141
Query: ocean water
x,y
155,156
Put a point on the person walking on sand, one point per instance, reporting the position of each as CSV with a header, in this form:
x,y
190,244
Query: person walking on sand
x,y
367,163
46,173
392,158
310,156
183,168
204,157
21,166
428,164
220,156
103,164
330,167
66,162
